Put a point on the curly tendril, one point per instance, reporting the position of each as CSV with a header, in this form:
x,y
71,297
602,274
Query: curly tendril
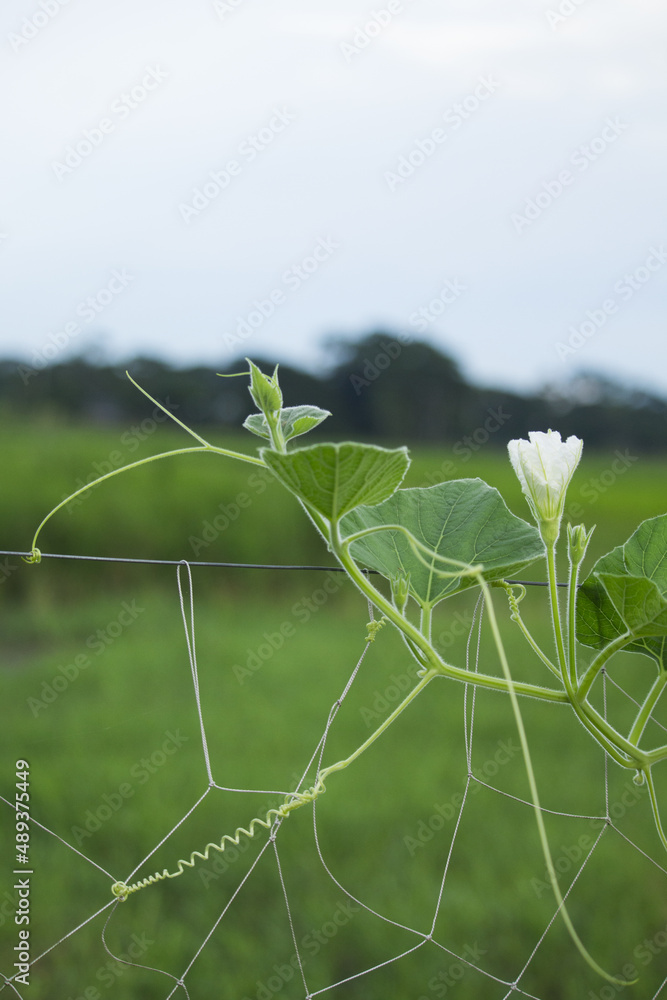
x,y
293,801
374,627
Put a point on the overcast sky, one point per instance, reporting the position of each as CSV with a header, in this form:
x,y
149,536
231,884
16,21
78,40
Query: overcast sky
x,y
202,180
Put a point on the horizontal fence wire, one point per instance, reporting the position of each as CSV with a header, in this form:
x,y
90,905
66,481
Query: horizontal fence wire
x,y
172,562
225,565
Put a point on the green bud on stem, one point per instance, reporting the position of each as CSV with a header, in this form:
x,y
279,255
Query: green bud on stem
x,y
577,542
265,390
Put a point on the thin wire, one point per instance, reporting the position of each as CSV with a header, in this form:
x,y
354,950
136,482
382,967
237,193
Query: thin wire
x,y
73,931
660,989
181,981
318,752
651,718
227,565
290,919
168,835
469,718
9,982
468,725
189,628
57,836
606,755
172,562
637,848
366,972
560,905
136,965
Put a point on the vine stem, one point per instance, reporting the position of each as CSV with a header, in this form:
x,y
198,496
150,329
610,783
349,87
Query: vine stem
x,y
555,612
206,447
515,616
654,806
572,625
539,818
340,548
599,661
648,706
341,764
611,741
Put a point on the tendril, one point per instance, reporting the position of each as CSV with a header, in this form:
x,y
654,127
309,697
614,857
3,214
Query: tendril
x,y
515,599
293,801
374,627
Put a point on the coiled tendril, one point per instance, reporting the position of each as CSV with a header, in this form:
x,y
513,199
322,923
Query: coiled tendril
x,y
292,801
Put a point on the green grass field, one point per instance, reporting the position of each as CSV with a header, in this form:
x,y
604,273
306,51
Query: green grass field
x,y
99,700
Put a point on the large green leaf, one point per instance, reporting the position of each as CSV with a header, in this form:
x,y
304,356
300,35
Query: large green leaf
x,y
626,591
294,420
465,519
335,478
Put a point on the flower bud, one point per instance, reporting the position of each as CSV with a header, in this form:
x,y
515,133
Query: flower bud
x,y
544,466
577,542
265,390
400,589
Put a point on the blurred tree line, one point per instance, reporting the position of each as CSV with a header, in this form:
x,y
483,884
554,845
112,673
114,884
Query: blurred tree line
x,y
386,386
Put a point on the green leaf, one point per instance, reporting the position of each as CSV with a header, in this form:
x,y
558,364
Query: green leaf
x,y
598,622
294,420
466,520
639,603
335,478
626,591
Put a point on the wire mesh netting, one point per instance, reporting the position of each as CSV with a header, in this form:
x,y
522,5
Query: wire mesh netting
x,y
416,871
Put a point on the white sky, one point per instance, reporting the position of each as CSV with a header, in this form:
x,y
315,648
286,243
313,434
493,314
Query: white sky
x,y
533,93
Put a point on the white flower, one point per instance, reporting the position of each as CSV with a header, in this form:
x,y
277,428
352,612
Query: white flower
x,y
545,465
